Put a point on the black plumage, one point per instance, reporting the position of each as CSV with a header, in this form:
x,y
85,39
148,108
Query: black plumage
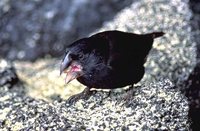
x,y
109,59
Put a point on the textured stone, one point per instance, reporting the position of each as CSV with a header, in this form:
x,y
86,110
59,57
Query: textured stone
x,y
155,106
8,76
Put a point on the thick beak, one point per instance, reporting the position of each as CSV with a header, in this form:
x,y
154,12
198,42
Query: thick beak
x,y
71,69
65,63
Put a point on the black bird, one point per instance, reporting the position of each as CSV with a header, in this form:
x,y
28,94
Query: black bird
x,y
108,60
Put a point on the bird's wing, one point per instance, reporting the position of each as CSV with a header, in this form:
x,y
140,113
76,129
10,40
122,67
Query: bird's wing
x,y
119,48
114,47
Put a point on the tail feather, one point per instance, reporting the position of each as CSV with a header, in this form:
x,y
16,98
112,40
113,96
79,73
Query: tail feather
x,y
157,34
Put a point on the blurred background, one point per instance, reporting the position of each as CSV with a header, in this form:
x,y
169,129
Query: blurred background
x,y
35,33
31,29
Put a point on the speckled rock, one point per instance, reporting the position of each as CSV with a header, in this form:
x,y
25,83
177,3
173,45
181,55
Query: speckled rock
x,y
155,106
8,76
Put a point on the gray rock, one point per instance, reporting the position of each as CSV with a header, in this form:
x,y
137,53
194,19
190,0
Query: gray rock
x,y
35,28
155,106
8,76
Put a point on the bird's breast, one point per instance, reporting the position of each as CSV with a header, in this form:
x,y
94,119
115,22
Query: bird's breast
x,y
110,79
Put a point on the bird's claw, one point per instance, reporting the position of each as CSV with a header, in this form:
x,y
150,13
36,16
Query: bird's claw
x,y
128,96
85,94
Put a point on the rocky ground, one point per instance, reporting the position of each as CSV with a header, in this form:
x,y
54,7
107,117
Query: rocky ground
x,y
35,96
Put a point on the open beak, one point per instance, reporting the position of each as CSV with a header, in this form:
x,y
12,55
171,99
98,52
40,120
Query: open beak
x,y
71,76
72,69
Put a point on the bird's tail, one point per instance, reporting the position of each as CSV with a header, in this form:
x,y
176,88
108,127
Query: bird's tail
x,y
157,34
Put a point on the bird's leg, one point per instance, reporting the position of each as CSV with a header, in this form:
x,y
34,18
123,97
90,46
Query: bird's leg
x,y
85,94
129,93
132,89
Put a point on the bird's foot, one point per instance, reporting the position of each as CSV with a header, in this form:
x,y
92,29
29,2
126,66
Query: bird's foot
x,y
129,95
85,94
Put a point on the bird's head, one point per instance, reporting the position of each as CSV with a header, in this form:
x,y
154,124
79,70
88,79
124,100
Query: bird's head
x,y
71,66
80,59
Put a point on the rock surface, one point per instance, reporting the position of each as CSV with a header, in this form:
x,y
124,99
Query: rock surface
x,y
155,106
8,76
